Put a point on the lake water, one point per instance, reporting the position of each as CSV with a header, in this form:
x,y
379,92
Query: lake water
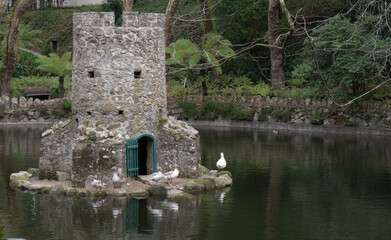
x,y
286,186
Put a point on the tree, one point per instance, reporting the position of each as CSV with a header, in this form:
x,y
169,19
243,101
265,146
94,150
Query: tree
x,y
11,49
172,6
3,8
277,55
213,52
60,67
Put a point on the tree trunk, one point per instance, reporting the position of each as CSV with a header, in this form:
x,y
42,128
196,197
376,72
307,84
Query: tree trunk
x,y
169,22
3,8
61,85
208,27
12,47
207,22
203,83
276,54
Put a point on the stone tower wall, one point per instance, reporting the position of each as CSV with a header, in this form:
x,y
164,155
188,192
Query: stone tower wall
x,y
118,88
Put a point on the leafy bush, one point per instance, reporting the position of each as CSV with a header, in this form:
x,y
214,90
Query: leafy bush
x,y
284,116
1,233
67,106
345,56
26,65
17,85
190,110
298,93
211,110
177,90
265,111
350,124
317,118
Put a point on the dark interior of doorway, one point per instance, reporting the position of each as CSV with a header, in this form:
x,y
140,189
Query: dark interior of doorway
x,y
142,155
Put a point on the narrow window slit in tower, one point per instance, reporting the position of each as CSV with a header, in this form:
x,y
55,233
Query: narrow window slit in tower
x,y
120,112
137,74
91,74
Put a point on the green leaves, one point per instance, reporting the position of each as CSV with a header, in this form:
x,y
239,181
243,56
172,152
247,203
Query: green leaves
x,y
213,51
56,65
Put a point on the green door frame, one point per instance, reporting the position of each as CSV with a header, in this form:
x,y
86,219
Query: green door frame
x,y
132,154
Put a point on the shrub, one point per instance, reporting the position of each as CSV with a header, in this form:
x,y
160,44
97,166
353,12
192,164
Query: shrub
x,y
67,106
265,111
317,118
212,110
190,110
347,71
283,116
350,124
17,85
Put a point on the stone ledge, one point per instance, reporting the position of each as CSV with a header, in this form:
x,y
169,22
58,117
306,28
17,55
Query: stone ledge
x,y
138,188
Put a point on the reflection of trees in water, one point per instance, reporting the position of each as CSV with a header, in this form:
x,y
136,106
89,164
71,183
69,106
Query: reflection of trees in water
x,y
19,150
316,185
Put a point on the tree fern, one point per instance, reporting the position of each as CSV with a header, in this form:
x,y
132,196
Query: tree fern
x,y
53,64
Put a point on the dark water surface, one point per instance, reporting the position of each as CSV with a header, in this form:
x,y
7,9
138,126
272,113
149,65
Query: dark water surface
x,y
286,186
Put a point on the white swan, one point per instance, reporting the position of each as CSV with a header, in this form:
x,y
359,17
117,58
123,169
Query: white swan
x,y
221,163
171,175
156,176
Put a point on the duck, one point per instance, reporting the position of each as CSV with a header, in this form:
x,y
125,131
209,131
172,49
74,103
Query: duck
x,y
275,131
96,183
171,175
221,163
156,176
117,181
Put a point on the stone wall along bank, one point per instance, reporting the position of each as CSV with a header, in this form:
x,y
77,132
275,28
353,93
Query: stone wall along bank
x,y
22,110
302,111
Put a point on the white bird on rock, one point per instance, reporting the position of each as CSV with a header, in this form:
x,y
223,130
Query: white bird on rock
x,y
171,175
221,163
97,183
156,176
117,181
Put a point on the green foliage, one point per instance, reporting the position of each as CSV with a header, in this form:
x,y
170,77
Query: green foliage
x,y
298,93
113,6
317,117
55,65
185,53
177,90
264,113
17,85
55,24
241,86
190,110
1,233
344,54
350,124
26,64
211,110
67,106
284,116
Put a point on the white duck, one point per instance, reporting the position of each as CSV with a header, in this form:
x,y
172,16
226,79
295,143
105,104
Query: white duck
x,y
97,183
117,181
156,176
221,163
171,175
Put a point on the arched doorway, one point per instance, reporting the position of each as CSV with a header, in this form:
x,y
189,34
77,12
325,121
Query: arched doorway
x,y
141,155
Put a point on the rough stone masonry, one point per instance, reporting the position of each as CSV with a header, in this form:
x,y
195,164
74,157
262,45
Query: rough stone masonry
x,y
118,93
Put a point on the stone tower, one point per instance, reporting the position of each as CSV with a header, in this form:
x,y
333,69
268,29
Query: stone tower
x,y
119,96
